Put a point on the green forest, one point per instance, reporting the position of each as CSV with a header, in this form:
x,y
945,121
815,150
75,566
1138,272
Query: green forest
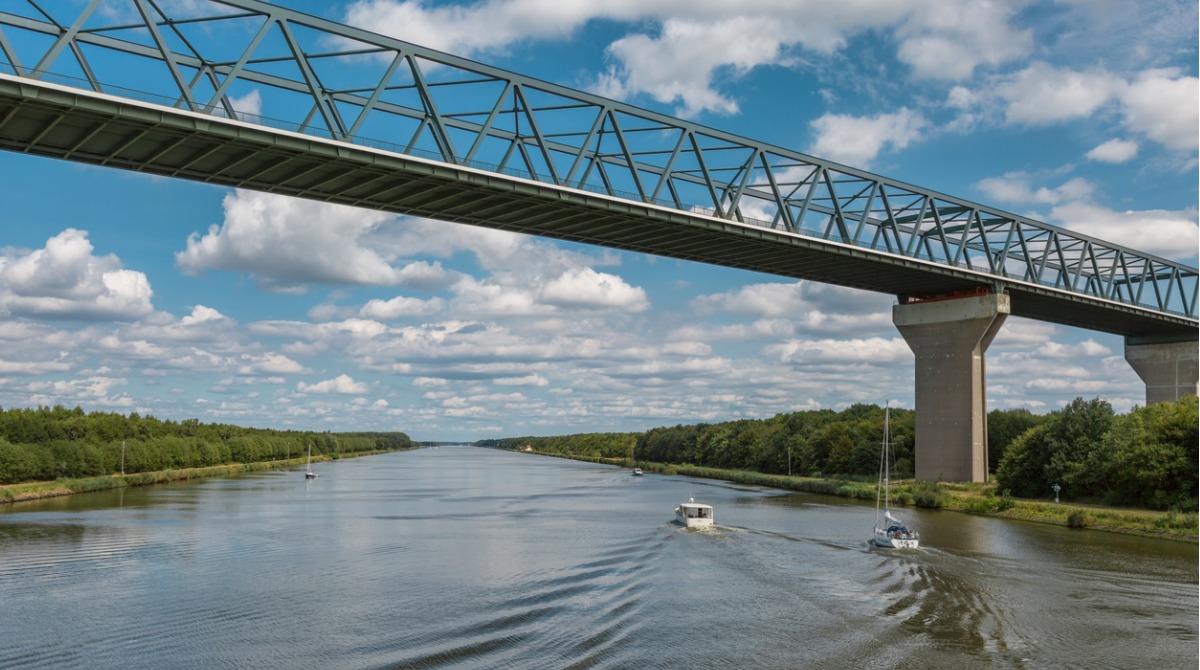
x,y
1146,458
48,443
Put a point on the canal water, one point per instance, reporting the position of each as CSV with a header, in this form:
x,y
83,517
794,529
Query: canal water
x,y
460,557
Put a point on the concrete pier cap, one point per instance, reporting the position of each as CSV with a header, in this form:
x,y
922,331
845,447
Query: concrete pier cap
x,y
1170,367
949,335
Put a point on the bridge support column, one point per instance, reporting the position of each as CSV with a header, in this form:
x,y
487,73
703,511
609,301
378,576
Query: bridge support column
x,y
1169,369
949,338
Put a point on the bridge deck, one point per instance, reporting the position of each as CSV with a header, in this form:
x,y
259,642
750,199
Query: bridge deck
x,y
44,119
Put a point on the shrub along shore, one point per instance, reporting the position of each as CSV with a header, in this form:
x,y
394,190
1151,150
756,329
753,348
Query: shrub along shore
x,y
25,491
981,499
53,451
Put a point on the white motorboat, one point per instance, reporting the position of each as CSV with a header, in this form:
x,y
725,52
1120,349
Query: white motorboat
x,y
890,532
692,514
637,472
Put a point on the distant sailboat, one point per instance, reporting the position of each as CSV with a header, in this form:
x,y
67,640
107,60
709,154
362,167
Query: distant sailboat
x,y
309,474
891,532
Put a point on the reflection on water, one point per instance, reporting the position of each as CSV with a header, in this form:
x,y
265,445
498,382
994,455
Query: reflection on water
x,y
471,558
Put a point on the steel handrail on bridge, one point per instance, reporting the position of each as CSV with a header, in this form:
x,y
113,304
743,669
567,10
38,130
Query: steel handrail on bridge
x,y
231,58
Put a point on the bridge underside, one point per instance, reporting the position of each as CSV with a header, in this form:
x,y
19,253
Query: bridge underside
x,y
47,120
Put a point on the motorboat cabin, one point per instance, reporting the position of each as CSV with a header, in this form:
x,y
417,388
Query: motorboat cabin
x,y
692,514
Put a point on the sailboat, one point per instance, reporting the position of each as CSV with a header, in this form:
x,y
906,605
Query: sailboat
x,y
309,474
890,532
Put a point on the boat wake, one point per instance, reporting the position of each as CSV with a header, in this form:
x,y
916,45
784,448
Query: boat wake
x,y
940,609
536,619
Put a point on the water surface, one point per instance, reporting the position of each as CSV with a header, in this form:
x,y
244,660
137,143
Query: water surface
x,y
461,557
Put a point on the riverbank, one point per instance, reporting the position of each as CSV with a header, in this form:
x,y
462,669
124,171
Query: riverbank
x,y
12,493
980,499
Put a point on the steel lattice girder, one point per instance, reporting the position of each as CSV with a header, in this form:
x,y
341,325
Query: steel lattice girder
x,y
231,58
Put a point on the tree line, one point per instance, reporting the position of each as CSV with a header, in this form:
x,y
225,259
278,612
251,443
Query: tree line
x,y
587,445
813,443
47,443
1145,458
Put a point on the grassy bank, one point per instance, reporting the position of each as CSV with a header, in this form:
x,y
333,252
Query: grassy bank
x,y
981,499
61,487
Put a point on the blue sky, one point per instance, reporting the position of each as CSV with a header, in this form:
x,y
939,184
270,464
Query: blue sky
x,y
123,292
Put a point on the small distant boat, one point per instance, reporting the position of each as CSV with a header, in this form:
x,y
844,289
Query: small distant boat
x,y
692,514
891,533
637,472
309,474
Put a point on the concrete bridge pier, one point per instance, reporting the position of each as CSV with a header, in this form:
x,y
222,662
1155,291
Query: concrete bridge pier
x,y
1169,368
949,337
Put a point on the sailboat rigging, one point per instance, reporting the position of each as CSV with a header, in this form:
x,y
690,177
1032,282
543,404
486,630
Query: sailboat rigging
x,y
890,532
309,474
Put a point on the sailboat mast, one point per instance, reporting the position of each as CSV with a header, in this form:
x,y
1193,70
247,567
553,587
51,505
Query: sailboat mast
x,y
882,460
887,431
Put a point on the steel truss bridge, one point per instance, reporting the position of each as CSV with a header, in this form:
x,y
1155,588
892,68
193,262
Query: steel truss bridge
x,y
247,94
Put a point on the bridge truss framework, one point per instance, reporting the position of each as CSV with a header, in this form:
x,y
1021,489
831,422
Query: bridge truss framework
x,y
356,118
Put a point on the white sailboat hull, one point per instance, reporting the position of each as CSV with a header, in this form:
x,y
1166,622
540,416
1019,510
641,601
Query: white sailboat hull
x,y
892,540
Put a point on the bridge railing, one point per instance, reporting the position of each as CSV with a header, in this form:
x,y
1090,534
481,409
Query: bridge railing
x,y
269,65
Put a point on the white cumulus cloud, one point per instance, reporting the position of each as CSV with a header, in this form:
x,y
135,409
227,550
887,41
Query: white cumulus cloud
x,y
950,40
857,141
677,66
1163,233
1114,151
400,306
1018,188
589,289
65,279
1042,93
1162,106
342,385
269,363
527,380
276,238
876,350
